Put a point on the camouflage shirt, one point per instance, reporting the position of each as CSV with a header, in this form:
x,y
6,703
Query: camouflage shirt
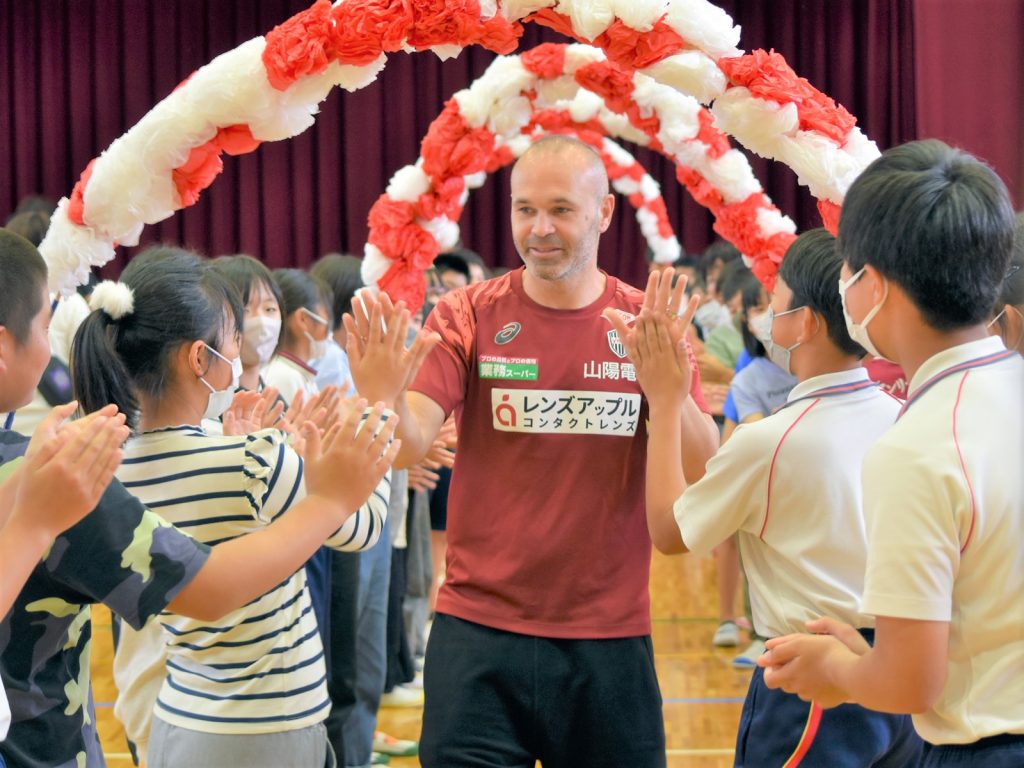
x,y
121,555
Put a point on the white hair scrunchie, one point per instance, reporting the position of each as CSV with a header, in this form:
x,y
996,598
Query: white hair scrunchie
x,y
116,299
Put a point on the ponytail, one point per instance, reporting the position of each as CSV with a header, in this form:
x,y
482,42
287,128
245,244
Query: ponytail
x,y
99,374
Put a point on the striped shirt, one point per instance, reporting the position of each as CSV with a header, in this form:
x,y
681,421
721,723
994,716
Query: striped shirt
x,y
259,669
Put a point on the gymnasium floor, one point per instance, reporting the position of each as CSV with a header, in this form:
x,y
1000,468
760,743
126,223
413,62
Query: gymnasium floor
x,y
702,692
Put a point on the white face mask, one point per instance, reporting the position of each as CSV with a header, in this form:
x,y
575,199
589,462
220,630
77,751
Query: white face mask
x,y
317,347
761,326
859,331
260,337
220,399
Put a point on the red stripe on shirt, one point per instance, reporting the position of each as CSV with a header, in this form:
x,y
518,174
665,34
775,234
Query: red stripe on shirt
x,y
963,465
771,469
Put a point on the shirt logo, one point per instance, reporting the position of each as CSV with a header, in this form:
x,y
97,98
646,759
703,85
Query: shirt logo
x,y
509,332
615,343
565,412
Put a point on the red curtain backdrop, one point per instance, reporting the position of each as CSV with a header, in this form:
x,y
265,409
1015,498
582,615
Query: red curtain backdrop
x,y
970,80
76,74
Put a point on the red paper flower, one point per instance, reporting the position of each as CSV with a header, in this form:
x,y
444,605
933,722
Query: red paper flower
x,y
403,283
767,75
718,142
441,22
636,50
198,172
452,148
556,21
303,45
236,140
76,203
363,27
829,215
410,243
498,35
387,214
657,207
700,189
546,61
501,157
611,83
445,199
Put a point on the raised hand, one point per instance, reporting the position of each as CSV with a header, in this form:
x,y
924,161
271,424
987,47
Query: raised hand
x,y
70,467
241,417
346,464
382,367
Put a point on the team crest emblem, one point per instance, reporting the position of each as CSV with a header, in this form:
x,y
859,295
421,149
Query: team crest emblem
x,y
616,343
509,332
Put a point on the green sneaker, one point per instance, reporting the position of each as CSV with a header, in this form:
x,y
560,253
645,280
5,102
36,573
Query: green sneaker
x,y
389,745
379,759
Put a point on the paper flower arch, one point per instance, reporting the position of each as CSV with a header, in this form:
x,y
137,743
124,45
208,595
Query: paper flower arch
x,y
268,89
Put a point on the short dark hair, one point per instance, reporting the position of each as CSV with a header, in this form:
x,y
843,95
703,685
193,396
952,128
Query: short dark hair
x,y
938,223
343,276
300,290
1013,284
22,278
736,277
31,225
451,262
30,203
243,271
178,298
720,250
811,270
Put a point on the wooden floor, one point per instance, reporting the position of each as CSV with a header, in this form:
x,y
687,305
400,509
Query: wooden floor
x,y
702,692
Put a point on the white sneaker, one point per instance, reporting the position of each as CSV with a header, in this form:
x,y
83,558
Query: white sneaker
x,y
402,696
748,659
727,635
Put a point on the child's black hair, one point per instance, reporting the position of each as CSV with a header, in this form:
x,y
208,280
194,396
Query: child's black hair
x,y
22,279
343,277
178,298
243,271
300,290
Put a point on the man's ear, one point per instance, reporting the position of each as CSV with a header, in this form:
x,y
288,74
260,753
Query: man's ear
x,y
606,210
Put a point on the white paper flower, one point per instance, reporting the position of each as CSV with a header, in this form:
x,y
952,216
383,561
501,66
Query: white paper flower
x,y
589,17
444,230
772,222
71,251
640,15
704,26
353,78
375,264
691,72
408,184
665,249
756,123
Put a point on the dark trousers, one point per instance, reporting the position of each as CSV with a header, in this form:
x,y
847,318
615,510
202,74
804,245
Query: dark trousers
x,y
777,727
496,698
340,652
1003,751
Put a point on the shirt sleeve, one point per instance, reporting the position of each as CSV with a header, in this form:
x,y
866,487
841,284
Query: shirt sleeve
x,y
127,557
445,373
272,475
913,537
730,496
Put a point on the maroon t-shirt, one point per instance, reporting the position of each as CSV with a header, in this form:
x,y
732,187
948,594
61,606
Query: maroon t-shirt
x,y
547,533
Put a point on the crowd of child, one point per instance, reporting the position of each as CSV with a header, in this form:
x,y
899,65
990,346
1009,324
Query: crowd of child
x,y
211,449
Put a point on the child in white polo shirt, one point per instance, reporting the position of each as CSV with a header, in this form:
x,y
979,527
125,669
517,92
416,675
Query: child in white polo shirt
x,y
789,486
926,235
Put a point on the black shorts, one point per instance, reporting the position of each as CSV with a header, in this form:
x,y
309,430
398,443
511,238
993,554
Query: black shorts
x,y
496,698
439,501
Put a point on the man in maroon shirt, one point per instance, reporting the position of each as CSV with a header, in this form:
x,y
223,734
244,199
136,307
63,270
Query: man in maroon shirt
x,y
540,649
